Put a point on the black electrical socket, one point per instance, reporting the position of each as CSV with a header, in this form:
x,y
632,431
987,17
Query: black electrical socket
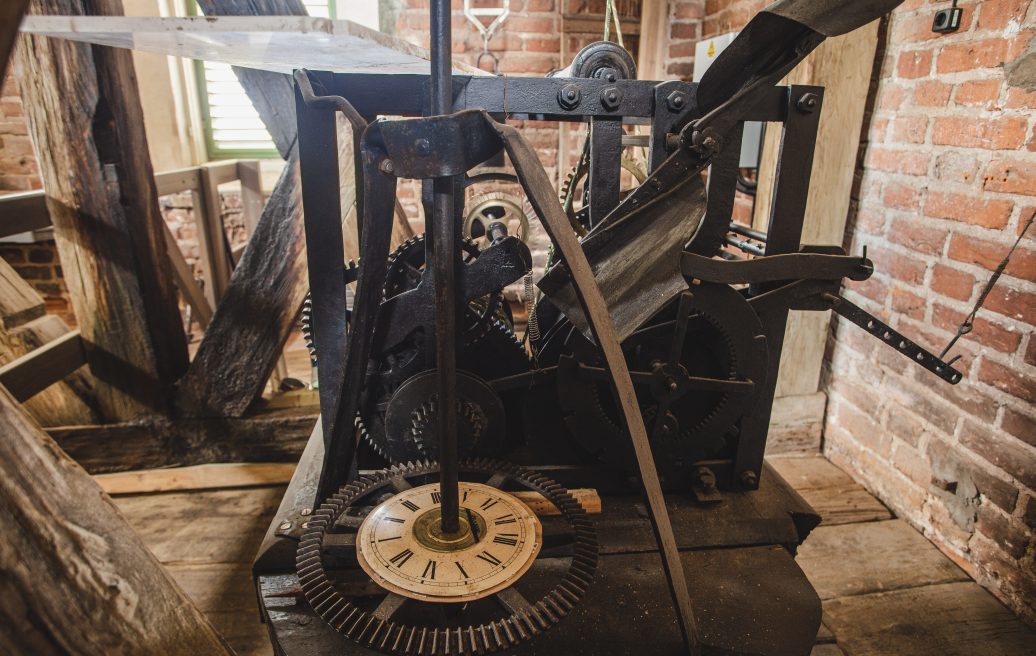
x,y
947,20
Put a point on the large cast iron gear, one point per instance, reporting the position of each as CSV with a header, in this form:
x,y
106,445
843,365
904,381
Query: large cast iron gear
x,y
570,185
328,572
352,271
724,343
490,351
410,419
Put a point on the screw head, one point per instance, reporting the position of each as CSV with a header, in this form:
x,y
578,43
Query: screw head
x,y
306,512
386,167
285,526
808,103
611,98
676,101
569,96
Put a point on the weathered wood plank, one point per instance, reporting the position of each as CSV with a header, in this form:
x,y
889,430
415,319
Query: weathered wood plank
x,y
250,175
156,443
251,324
186,283
220,475
19,302
855,559
23,212
226,594
41,368
836,497
213,526
11,13
796,424
70,401
953,619
173,182
85,118
77,579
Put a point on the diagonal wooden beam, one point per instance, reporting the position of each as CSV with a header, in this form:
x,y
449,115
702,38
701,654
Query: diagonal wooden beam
x,y
77,579
86,122
266,290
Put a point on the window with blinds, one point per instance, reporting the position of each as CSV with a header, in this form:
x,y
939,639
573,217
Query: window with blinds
x,y
232,127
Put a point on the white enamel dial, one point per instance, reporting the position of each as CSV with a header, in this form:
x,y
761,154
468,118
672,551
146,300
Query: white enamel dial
x,y
400,546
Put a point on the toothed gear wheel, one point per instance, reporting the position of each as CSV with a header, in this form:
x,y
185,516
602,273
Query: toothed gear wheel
x,y
411,430
351,271
418,627
571,183
724,342
497,206
491,350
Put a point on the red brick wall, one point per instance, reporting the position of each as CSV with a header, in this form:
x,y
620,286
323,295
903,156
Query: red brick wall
x,y
949,177
18,170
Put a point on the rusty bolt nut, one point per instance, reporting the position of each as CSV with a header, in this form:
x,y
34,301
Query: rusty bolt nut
x,y
611,98
386,167
808,103
749,480
569,96
676,101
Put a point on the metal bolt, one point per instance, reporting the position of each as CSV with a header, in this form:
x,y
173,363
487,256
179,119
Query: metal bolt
x,y
676,101
611,98
808,103
305,524
385,166
423,147
709,144
306,512
749,479
569,96
285,526
706,479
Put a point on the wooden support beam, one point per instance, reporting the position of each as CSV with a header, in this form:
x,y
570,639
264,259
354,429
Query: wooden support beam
x,y
159,442
71,399
654,37
186,283
77,579
251,177
11,13
594,24
842,65
85,119
24,212
255,318
24,327
39,369
19,302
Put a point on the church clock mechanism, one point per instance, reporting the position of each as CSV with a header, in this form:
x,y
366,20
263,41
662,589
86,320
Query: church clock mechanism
x,y
473,483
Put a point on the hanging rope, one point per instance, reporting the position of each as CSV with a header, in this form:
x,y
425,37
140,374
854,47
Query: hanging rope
x,y
968,324
612,14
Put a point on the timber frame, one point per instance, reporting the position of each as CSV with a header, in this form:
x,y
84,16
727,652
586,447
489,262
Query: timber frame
x,y
247,302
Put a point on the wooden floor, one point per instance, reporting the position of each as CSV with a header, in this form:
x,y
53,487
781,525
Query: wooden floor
x,y
885,588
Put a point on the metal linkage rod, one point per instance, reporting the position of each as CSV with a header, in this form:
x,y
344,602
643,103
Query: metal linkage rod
x,y
444,269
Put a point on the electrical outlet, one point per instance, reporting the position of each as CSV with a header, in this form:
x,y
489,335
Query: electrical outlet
x,y
947,20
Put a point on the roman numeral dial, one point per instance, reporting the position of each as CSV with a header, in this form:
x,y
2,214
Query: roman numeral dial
x,y
400,547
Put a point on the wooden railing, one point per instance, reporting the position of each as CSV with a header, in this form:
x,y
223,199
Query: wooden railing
x,y
27,212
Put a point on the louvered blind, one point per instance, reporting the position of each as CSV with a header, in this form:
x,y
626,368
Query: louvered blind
x,y
232,126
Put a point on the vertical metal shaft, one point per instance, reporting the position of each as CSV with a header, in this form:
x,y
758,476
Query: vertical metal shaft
x,y
444,268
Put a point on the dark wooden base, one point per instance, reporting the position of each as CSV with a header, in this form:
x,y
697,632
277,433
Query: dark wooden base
x,y
749,594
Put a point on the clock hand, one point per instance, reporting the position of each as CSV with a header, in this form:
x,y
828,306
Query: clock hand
x,y
473,524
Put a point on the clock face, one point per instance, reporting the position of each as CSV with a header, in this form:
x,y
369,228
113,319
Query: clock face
x,y
401,547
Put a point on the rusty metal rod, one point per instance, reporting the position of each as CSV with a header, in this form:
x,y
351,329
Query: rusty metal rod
x,y
444,269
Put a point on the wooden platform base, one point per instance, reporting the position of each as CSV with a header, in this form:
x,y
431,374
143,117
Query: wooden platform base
x,y
887,591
